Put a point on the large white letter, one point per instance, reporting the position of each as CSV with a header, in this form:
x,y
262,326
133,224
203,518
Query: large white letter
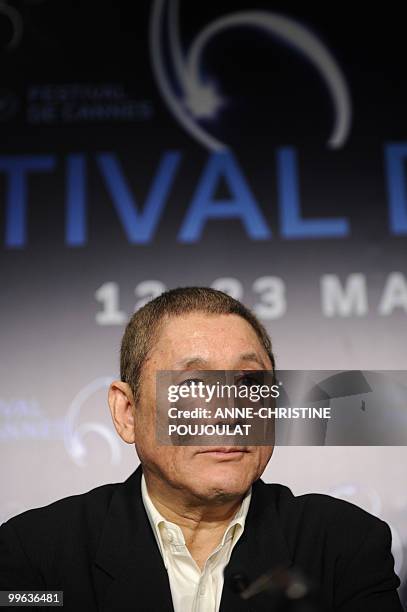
x,y
344,301
394,294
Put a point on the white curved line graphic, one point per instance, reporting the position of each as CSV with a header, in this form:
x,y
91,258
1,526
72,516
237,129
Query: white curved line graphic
x,y
103,432
74,433
187,69
175,42
162,80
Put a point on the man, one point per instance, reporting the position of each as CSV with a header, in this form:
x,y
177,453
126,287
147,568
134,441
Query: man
x,y
193,523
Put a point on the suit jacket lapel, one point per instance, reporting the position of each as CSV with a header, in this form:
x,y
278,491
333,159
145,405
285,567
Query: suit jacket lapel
x,y
128,572
261,547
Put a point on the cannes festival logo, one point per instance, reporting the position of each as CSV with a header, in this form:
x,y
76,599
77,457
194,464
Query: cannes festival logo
x,y
191,96
76,430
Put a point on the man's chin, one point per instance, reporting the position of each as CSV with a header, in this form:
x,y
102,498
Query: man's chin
x,y
222,483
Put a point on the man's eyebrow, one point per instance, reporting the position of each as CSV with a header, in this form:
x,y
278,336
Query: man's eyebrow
x,y
200,362
190,362
253,357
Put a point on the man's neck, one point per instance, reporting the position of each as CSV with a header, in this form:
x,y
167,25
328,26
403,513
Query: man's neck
x,y
203,524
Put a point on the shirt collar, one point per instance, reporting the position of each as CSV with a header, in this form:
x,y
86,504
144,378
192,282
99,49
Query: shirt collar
x,y
156,519
239,519
154,516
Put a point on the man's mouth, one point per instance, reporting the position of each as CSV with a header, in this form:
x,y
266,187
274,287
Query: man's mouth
x,y
225,450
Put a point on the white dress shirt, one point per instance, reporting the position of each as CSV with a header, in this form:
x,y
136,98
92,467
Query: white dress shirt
x,y
193,590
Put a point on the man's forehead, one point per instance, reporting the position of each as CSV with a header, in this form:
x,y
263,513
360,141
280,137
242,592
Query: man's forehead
x,y
200,339
197,323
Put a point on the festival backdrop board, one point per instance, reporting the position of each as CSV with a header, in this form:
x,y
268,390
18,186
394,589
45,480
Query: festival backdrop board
x,y
259,149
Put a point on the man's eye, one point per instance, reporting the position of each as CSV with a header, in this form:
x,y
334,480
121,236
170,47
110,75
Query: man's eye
x,y
190,381
248,380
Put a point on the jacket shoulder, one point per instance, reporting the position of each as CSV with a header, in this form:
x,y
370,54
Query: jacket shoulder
x,y
59,519
341,547
325,518
320,505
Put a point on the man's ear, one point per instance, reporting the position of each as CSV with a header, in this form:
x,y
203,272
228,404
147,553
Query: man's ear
x,y
121,403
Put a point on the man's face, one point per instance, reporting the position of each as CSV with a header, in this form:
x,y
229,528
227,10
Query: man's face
x,y
200,341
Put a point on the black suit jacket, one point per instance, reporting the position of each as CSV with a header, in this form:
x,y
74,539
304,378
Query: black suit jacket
x,y
100,550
